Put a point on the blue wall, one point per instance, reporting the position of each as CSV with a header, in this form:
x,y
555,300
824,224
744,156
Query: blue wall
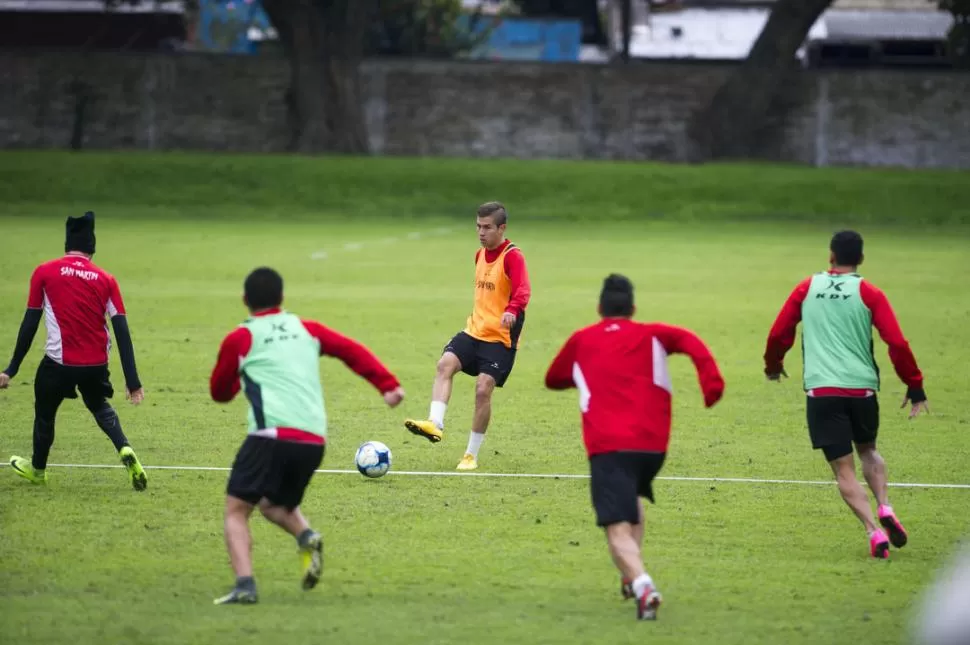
x,y
223,27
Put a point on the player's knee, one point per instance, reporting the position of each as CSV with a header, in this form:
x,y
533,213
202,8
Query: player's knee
x,y
448,365
483,390
98,406
867,452
619,533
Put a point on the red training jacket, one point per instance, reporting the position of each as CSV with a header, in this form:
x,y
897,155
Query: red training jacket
x,y
620,369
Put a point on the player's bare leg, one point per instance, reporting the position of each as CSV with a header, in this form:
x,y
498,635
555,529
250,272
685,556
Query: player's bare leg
x,y
626,584
239,543
484,388
627,556
432,429
309,541
856,499
874,470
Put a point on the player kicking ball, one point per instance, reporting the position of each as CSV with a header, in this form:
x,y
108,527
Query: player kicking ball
x,y
620,369
487,346
273,357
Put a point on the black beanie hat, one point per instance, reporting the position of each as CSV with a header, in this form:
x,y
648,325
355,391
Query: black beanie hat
x,y
80,234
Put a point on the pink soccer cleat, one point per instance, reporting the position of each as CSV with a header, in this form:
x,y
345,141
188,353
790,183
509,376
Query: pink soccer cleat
x,y
879,545
897,534
648,604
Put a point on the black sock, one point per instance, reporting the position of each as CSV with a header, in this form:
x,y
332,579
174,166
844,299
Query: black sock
x,y
108,421
43,440
304,537
246,583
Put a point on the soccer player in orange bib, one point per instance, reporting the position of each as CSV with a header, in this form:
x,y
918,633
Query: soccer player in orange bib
x,y
486,347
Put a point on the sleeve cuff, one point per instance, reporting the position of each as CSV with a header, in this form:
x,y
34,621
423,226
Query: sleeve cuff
x,y
916,394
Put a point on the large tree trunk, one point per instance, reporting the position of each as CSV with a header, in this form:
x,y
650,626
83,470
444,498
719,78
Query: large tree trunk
x,y
728,127
324,42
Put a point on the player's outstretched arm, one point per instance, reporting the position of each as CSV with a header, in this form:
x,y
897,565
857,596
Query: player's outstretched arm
x,y
25,338
677,340
28,327
781,337
358,358
559,376
904,362
126,349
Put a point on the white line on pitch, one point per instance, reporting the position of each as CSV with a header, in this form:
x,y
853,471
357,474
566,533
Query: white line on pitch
x,y
357,246
423,473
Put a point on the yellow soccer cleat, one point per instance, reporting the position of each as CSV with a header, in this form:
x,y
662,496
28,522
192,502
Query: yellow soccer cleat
x,y
311,557
25,469
139,480
426,429
468,462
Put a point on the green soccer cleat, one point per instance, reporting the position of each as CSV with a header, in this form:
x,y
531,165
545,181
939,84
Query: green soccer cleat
x,y
238,597
25,469
139,480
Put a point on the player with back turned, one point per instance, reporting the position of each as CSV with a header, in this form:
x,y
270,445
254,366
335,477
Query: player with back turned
x,y
838,309
620,369
273,358
74,296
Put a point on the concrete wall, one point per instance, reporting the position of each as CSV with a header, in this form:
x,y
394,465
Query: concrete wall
x,y
905,118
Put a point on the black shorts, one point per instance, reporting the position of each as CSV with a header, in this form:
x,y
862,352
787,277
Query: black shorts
x,y
836,422
278,470
617,479
55,382
481,357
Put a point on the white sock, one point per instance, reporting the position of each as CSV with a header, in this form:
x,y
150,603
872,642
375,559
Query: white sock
x,y
641,583
475,440
437,413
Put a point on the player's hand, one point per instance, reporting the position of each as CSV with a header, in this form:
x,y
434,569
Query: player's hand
x,y
508,319
922,406
135,397
4,380
777,375
394,397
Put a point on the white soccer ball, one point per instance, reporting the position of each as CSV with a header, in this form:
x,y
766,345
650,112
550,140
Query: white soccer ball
x,y
373,459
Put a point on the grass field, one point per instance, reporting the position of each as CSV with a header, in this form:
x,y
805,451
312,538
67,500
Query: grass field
x,y
382,249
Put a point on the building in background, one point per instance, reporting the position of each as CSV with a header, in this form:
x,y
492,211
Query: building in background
x,y
135,25
851,32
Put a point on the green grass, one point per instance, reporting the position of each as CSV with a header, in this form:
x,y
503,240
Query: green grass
x,y
552,191
477,559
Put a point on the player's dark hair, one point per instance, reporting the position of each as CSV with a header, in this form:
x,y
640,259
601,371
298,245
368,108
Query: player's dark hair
x,y
263,289
616,298
495,210
847,247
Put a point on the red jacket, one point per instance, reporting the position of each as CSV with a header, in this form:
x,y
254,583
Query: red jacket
x,y
620,369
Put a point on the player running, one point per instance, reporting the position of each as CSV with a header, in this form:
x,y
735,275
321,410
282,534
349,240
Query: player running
x,y
838,309
273,357
620,369
486,348
74,295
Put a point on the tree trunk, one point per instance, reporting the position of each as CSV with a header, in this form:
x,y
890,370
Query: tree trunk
x,y
728,127
324,42
626,18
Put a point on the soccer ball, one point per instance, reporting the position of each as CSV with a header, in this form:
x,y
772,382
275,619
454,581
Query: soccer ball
x,y
373,459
